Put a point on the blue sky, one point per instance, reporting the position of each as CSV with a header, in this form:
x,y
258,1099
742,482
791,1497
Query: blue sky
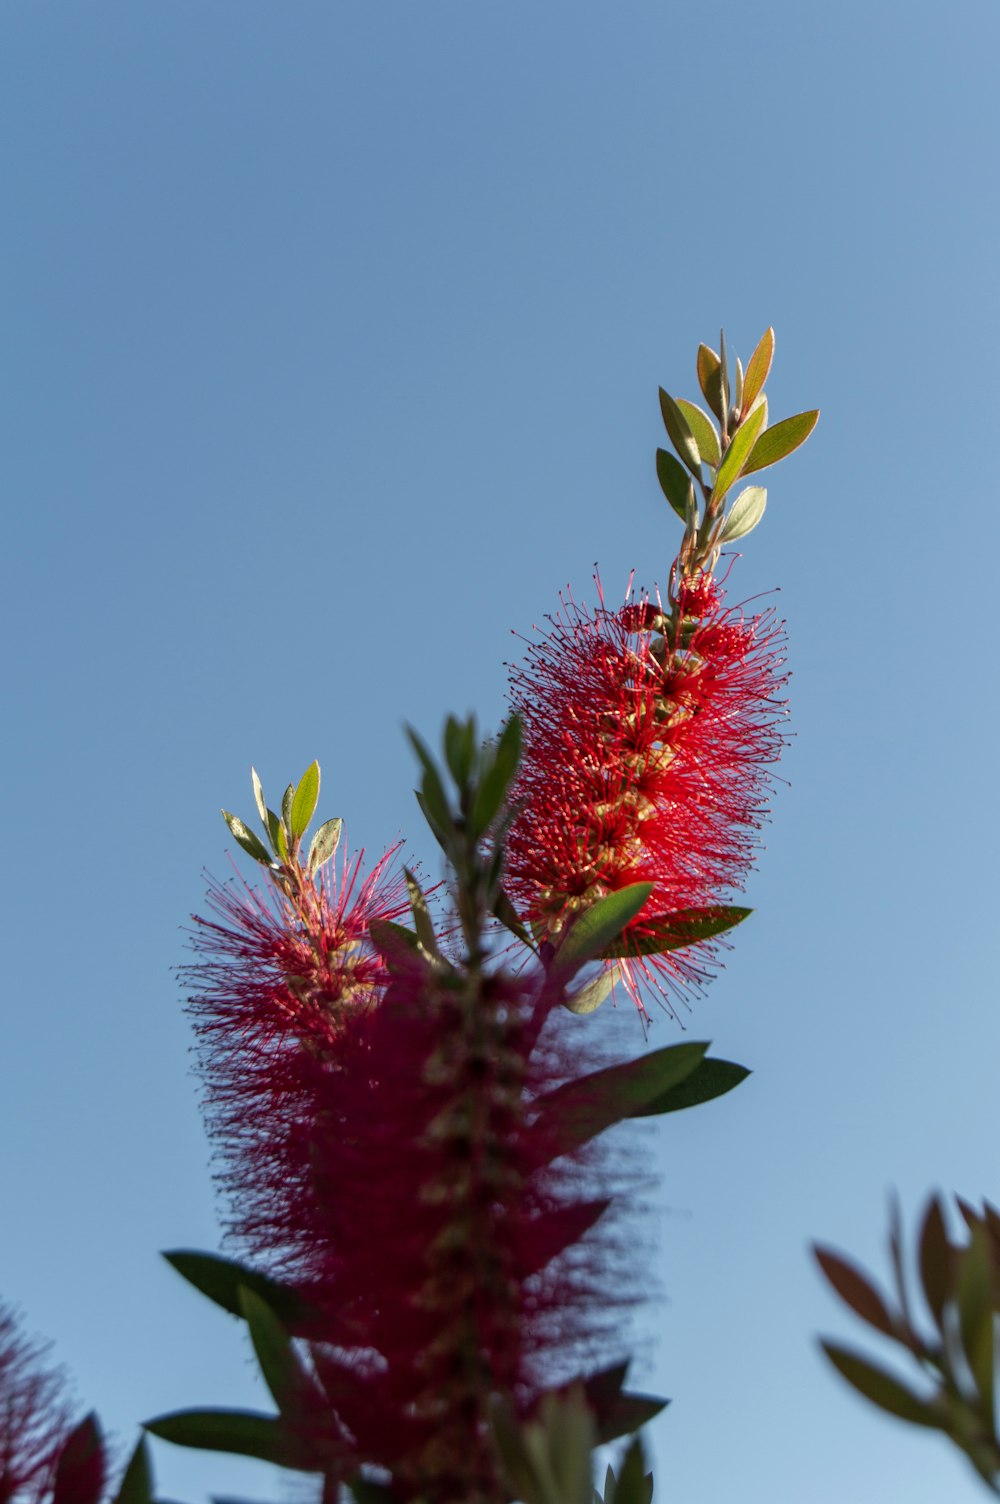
x,y
333,336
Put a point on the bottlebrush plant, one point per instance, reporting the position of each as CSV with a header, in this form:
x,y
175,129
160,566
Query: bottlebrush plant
x,y
409,1121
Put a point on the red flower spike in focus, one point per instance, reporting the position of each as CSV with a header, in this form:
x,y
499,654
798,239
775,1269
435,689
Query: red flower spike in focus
x,y
650,730
34,1419
280,974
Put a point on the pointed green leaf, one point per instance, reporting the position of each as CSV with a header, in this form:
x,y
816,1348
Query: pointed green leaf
x,y
781,440
880,1387
711,1079
500,765
276,835
460,748
975,1311
246,838
856,1290
634,1484
422,922
599,925
705,435
724,373
433,800
665,932
627,1414
680,434
286,808
736,456
324,843
258,794
290,1384
579,1110
935,1261
590,997
758,370
246,1433
744,514
675,483
709,379
137,1484
221,1279
508,916
304,801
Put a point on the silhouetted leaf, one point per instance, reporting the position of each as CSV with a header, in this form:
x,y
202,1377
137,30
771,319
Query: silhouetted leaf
x,y
856,1290
710,1079
579,1110
880,1387
220,1280
666,932
935,1260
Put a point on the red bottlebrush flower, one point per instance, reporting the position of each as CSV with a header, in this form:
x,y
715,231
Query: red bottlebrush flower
x,y
648,737
280,977
442,1246
34,1418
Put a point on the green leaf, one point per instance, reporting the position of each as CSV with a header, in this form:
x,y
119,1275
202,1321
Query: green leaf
x,y
627,1413
783,439
221,1280
880,1387
711,1079
304,801
710,379
723,372
283,1373
422,922
598,926
286,808
433,800
935,1260
500,767
738,386
675,483
258,794
508,916
579,1110
137,1484
744,514
856,1290
975,1311
590,997
665,932
460,748
324,843
736,456
680,433
246,1433
79,1475
246,838
758,370
634,1485
276,835
703,429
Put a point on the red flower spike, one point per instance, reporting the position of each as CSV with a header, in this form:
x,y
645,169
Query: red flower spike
x,y
646,759
435,1244
280,976
34,1418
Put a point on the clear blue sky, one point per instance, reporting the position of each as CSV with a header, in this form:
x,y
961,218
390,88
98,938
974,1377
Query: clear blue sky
x,y
333,334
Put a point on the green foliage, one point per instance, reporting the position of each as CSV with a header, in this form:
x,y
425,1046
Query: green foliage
x,y
956,1363
223,1281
